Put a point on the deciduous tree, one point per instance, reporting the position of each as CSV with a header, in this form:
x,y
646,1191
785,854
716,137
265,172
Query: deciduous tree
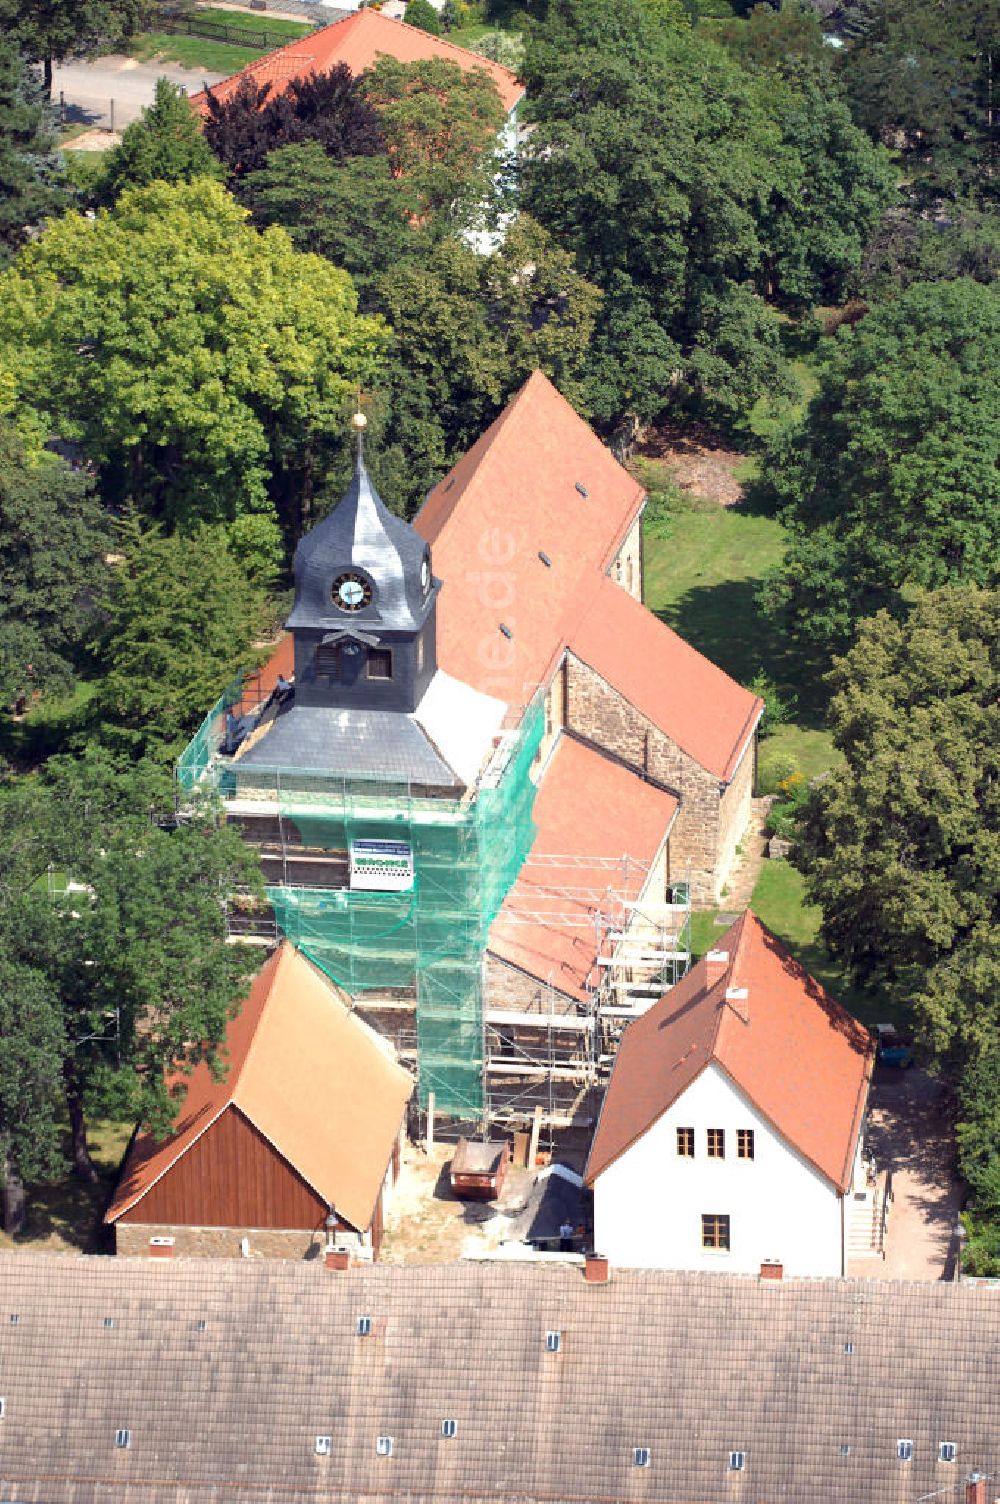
x,y
139,993
182,614
203,366
892,479
355,213
49,31
328,108
440,124
901,848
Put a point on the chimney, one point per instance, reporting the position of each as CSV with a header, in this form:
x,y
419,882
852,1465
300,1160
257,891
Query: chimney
x,y
771,1269
337,1258
161,1248
596,1270
976,1491
716,962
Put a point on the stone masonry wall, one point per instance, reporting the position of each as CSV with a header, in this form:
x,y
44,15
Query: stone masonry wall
x,y
221,1242
599,712
507,987
734,816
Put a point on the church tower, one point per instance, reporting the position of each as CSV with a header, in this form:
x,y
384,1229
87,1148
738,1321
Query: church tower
x,y
364,614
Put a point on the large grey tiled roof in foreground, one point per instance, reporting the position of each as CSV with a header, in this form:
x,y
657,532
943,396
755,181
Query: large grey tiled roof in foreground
x,y
225,1373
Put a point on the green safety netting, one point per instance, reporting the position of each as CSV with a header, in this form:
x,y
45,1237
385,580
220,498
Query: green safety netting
x,y
466,857
194,762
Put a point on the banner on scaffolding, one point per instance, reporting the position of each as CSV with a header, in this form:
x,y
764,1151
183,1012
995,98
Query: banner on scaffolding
x,y
381,866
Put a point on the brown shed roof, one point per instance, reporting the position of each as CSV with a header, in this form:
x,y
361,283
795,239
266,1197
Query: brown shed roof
x,y
310,1076
801,1058
225,1372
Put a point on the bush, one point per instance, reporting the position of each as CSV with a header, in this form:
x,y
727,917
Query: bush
x,y
792,792
779,709
422,13
981,1254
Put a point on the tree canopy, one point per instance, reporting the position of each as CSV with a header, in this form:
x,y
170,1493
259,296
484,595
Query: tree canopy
x,y
688,186
927,73
892,479
181,618
202,366
53,539
121,994
901,847
49,31
31,185
328,108
440,124
165,145
355,213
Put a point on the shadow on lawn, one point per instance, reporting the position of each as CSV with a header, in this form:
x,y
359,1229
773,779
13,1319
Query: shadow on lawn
x,y
724,622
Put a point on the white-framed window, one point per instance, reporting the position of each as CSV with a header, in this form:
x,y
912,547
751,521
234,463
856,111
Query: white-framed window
x,y
449,1429
904,1450
383,1446
123,1437
947,1451
553,1341
641,1457
364,1327
737,1461
323,1446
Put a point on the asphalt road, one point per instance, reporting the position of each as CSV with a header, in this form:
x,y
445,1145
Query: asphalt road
x,y
89,88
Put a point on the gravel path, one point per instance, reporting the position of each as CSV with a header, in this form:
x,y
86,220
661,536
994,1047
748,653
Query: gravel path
x,y
89,88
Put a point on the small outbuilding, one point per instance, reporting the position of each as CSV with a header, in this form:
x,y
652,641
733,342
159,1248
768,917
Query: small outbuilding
x,y
301,1139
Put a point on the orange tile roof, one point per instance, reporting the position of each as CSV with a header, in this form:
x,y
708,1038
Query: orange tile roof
x,y
694,702
512,497
359,40
309,1076
802,1059
587,808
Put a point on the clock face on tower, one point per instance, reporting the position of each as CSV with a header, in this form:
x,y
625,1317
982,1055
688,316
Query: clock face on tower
x,y
351,592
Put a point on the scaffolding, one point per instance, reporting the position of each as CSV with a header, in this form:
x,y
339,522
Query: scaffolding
x,y
467,852
552,1060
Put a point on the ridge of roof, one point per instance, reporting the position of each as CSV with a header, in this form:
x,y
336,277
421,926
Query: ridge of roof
x,y
796,1054
319,56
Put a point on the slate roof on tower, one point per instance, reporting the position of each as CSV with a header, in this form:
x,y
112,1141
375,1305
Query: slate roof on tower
x,y
310,1076
802,1059
362,532
359,41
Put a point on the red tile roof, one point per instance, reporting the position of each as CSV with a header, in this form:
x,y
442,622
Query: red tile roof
x,y
681,691
591,812
515,496
512,497
310,1077
800,1058
359,40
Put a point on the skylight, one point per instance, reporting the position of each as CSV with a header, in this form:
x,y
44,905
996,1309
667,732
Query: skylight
x,y
323,1445
364,1326
383,1446
123,1437
553,1341
737,1461
449,1429
904,1451
641,1456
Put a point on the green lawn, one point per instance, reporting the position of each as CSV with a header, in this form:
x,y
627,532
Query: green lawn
x,y
192,52
66,1215
281,31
